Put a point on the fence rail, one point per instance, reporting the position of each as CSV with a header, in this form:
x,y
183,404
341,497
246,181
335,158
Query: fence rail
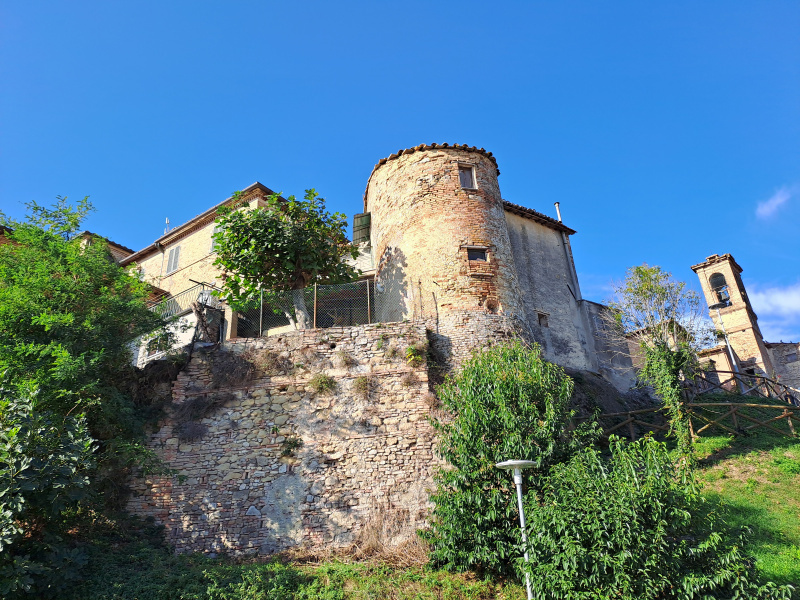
x,y
745,384
173,306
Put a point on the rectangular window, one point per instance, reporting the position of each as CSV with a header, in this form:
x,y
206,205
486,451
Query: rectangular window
x,y
791,357
172,261
543,321
476,254
217,229
466,176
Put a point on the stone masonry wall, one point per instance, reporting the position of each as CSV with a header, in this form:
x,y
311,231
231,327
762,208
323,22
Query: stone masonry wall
x,y
423,224
276,464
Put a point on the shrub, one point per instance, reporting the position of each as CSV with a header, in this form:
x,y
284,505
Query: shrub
x,y
508,403
322,383
415,354
45,460
290,444
392,351
632,527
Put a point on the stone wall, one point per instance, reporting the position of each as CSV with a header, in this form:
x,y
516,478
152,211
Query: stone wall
x,y
786,360
424,223
274,464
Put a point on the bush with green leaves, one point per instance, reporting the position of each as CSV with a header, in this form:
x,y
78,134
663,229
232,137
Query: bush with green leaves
x,y
45,462
507,403
632,527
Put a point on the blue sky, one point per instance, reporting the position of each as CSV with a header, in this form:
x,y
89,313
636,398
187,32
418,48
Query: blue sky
x,y
667,131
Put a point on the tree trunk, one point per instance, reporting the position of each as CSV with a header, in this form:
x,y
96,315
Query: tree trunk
x,y
301,310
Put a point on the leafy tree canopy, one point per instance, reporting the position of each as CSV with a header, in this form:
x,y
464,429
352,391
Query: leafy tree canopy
x,y
508,403
284,246
665,322
67,312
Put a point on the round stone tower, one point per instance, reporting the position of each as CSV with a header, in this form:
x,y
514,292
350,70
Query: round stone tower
x,y
439,234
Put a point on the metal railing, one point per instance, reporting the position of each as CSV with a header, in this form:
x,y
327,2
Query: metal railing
x,y
173,306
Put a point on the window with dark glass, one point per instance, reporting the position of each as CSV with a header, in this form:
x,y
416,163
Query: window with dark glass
x,y
466,176
476,254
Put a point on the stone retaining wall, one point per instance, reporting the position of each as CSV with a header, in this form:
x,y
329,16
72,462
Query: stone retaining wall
x,y
274,464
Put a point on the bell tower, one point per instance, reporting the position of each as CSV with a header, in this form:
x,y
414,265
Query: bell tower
x,y
720,279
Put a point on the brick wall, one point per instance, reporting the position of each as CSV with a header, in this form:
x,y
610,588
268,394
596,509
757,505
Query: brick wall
x,y
360,455
739,320
423,222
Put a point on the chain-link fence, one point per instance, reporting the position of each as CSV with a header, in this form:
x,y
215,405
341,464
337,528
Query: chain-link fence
x,y
358,303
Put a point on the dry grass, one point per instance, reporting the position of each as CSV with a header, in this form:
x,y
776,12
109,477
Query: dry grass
x,y
377,540
343,359
230,370
362,386
266,362
198,407
408,380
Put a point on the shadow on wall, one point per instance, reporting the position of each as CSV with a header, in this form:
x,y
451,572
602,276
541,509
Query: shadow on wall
x,y
392,295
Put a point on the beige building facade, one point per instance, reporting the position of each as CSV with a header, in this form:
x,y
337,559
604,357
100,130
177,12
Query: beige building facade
x,y
730,309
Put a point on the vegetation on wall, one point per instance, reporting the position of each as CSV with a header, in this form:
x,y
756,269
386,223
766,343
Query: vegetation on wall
x,y
285,246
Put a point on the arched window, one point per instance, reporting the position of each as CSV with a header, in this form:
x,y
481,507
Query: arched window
x,y
720,287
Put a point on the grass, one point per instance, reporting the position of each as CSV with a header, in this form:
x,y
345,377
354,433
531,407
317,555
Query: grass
x,y
755,480
138,567
322,383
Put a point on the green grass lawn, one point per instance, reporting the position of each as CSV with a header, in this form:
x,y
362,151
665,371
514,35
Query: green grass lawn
x,y
756,480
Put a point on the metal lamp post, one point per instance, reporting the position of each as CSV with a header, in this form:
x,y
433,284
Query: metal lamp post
x,y
517,466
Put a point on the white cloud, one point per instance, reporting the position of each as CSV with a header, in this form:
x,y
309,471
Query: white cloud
x,y
778,309
769,207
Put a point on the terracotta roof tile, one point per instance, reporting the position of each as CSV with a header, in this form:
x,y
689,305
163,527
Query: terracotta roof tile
x,y
534,215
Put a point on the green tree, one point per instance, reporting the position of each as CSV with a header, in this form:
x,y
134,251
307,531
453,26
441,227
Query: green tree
x,y
664,322
284,246
507,403
633,527
68,426
68,315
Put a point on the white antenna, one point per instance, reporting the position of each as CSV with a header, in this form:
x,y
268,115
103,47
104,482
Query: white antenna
x,y
166,229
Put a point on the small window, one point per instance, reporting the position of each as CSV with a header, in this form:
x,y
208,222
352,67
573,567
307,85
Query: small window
x,y
476,254
543,321
466,176
172,261
217,229
791,357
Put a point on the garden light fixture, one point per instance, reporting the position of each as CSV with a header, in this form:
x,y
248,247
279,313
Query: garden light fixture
x,y
517,466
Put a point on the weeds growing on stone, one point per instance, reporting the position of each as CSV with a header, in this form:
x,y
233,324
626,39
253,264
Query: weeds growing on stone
x,y
415,353
362,386
321,383
408,379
